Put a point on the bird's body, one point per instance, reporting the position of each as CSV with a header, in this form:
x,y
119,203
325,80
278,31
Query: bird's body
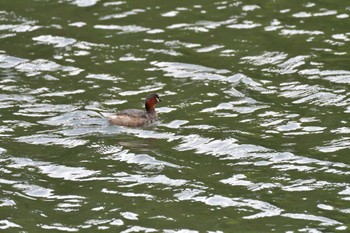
x,y
137,117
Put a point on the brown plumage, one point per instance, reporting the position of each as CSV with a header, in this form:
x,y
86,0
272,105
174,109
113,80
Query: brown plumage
x,y
136,117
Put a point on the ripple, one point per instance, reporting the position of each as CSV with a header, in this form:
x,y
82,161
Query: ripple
x,y
144,89
241,180
12,22
324,12
272,58
266,209
84,3
250,7
5,224
170,14
292,32
305,185
342,130
237,180
325,207
123,14
63,93
119,154
201,26
53,170
37,66
153,134
176,124
312,95
7,202
234,106
334,76
44,109
143,179
290,126
321,98
209,48
59,227
345,192
131,57
105,77
10,61
75,118
228,148
4,131
128,194
129,215
245,25
196,72
289,66
34,190
139,229
77,24
324,221
165,51
19,28
57,41
50,139
123,29
335,145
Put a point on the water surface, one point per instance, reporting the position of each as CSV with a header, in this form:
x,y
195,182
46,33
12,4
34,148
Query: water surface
x,y
254,135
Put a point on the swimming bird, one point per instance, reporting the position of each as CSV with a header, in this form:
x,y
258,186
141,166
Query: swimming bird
x,y
137,117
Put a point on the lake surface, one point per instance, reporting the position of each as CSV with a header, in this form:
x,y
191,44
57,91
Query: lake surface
x,y
254,133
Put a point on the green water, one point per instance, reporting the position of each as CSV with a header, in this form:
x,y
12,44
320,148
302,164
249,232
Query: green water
x,y
254,133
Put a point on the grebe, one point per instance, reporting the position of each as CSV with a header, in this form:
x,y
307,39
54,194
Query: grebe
x,y
137,117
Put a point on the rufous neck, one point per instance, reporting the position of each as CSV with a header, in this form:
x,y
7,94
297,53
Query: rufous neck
x,y
149,107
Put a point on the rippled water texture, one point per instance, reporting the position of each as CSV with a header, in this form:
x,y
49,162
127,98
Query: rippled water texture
x,y
254,135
